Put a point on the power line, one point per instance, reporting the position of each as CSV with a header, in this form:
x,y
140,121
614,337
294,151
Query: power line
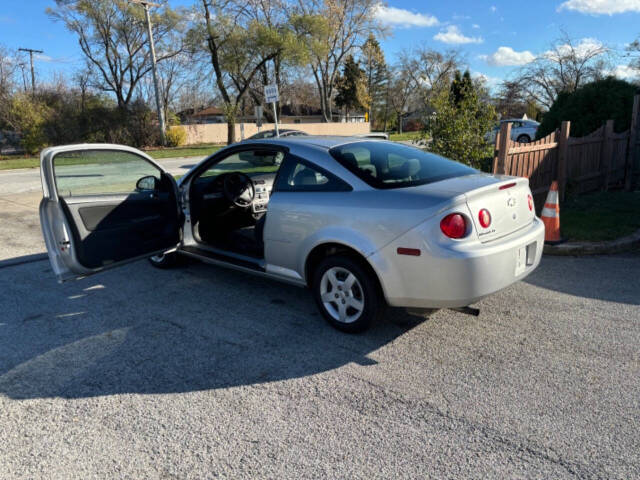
x,y
33,75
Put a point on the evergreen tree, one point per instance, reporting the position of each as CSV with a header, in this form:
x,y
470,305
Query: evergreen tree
x,y
376,75
460,123
460,86
351,87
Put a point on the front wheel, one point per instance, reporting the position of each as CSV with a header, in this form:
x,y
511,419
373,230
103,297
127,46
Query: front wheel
x,y
524,139
346,293
164,260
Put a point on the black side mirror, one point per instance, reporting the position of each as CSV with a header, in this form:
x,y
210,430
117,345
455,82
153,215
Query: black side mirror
x,y
147,184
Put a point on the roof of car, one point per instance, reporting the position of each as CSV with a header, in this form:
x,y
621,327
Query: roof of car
x,y
315,140
525,120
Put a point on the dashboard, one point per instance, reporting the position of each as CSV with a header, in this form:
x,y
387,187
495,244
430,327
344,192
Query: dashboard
x,y
264,185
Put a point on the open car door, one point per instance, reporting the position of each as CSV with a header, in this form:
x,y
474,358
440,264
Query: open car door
x,y
105,205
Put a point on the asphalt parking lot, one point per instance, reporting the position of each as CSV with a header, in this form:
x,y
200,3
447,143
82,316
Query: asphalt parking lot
x,y
201,372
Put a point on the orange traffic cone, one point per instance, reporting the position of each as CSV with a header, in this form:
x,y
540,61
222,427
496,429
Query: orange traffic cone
x,y
551,216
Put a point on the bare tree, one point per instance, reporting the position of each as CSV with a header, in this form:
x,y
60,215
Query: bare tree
x,y
511,99
402,91
8,72
566,66
332,29
239,46
113,38
432,71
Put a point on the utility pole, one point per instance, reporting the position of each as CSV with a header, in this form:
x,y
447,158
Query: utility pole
x,y
152,47
33,75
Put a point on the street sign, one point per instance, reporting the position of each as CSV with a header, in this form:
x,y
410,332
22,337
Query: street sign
x,y
271,93
271,96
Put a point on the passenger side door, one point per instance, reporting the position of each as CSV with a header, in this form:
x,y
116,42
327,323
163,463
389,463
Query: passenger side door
x,y
304,198
104,205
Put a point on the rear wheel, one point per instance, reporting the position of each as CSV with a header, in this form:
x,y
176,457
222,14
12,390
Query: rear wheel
x,y
524,139
346,293
164,260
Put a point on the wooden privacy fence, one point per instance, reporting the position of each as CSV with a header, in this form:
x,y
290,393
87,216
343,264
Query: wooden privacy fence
x,y
598,161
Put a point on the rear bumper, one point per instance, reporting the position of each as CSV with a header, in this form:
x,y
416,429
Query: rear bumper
x,y
450,274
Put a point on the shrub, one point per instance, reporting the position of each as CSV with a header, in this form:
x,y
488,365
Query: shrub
x,y
459,126
29,116
590,106
176,137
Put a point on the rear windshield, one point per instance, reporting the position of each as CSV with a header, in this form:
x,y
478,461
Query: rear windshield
x,y
393,165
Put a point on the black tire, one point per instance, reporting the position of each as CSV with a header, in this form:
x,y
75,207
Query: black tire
x,y
524,139
165,260
364,289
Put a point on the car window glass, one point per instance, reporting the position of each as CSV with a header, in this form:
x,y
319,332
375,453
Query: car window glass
x,y
297,175
100,172
393,165
250,162
303,175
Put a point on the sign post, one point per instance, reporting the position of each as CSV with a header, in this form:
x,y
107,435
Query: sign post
x,y
258,114
271,96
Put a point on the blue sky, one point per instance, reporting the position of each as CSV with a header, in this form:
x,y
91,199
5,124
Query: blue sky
x,y
494,36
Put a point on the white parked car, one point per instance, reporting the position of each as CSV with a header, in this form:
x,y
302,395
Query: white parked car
x,y
523,131
363,223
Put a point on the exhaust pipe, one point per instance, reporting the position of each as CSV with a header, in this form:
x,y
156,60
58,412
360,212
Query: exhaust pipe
x,y
467,310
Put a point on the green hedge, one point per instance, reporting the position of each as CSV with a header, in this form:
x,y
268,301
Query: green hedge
x,y
590,106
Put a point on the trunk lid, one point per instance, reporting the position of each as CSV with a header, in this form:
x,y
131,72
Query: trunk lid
x,y
506,199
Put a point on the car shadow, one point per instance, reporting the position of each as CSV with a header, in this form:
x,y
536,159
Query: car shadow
x,y
140,330
611,278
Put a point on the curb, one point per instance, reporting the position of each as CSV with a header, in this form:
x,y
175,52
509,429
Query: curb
x,y
623,244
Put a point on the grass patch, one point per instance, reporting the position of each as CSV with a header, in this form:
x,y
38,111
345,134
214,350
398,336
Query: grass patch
x,y
600,216
10,162
403,137
200,150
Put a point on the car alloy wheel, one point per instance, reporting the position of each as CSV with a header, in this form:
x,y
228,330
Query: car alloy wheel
x,y
342,295
347,293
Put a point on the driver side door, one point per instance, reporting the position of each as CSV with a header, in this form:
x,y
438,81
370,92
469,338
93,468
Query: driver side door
x,y
103,206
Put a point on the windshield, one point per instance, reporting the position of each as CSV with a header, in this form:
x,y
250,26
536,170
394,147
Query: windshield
x,y
393,165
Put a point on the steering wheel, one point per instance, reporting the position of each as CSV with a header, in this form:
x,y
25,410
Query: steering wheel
x,y
238,188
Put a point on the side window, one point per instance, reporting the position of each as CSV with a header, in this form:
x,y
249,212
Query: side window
x,y
297,175
250,162
102,172
303,175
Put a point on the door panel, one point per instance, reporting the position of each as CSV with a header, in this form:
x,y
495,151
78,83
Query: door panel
x,y
108,231
95,212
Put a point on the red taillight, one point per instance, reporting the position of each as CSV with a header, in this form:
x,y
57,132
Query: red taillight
x,y
530,200
454,225
484,217
507,185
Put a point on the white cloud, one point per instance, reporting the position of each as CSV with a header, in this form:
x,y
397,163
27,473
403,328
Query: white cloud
x,y
475,25
585,47
490,82
601,7
625,72
454,36
402,18
507,56
493,8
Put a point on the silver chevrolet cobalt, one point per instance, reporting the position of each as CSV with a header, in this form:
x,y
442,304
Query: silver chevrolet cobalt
x,y
363,223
